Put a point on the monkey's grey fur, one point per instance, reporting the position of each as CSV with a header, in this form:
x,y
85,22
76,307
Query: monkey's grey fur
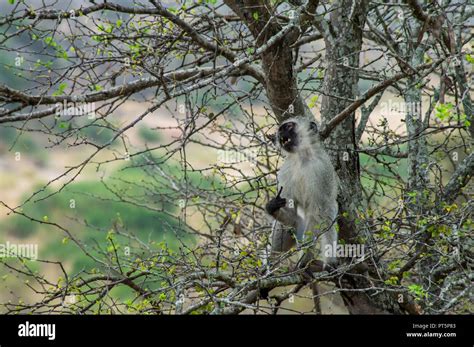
x,y
308,186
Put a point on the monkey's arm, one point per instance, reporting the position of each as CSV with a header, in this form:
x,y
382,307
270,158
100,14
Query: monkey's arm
x,y
287,216
276,207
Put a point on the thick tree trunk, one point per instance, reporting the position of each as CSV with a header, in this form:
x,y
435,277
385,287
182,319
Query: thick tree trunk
x,y
277,62
417,146
343,39
418,159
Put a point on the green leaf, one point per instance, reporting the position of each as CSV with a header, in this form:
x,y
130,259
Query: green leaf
x,y
393,280
417,291
443,111
61,89
63,54
50,41
110,235
470,58
255,15
313,100
464,120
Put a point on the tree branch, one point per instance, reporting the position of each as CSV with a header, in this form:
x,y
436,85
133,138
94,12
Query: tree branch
x,y
459,179
329,127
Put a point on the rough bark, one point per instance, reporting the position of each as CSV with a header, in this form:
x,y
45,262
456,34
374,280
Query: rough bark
x,y
343,38
280,78
417,147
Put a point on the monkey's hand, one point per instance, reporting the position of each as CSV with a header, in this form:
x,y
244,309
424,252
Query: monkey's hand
x,y
275,204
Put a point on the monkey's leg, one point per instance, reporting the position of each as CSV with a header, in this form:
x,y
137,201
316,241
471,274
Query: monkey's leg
x,y
303,232
328,246
310,264
282,239
316,298
307,232
287,216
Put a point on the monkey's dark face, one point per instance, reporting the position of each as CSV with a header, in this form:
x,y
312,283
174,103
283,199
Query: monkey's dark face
x,y
288,136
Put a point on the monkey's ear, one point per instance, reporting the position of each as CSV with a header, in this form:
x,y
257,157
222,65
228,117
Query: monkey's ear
x,y
313,126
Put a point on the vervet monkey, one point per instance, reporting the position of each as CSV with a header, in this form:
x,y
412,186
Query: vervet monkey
x,y
307,192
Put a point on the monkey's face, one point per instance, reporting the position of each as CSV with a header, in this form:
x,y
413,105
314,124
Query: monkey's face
x,y
288,136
